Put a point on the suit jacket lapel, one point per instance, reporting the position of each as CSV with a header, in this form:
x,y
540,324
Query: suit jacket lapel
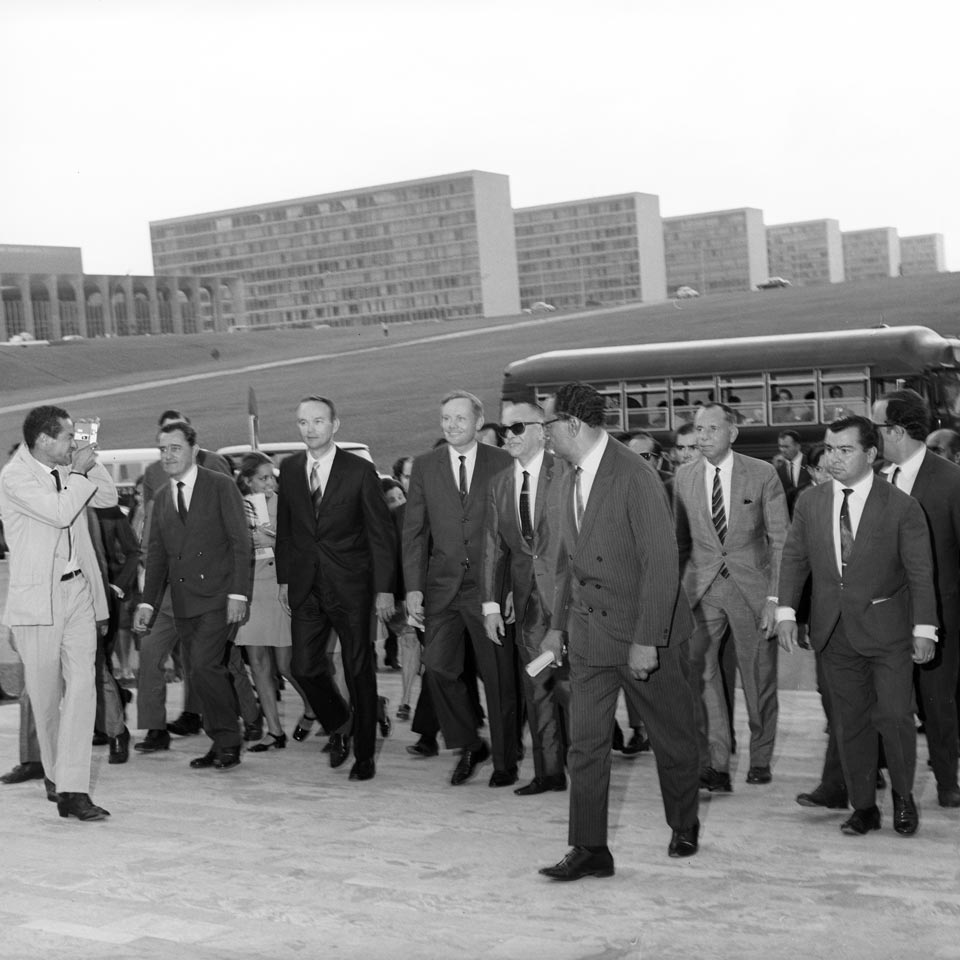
x,y
703,502
543,482
869,520
737,486
334,481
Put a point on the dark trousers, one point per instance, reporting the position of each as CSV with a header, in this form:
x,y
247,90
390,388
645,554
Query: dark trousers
x,y
871,695
666,702
425,720
444,656
207,640
936,685
311,625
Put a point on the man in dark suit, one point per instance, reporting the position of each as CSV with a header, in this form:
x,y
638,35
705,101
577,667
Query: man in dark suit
x,y
903,419
627,621
792,467
335,555
442,551
731,522
865,545
199,544
520,537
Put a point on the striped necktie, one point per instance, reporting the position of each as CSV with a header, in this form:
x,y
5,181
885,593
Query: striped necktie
x,y
719,514
316,491
846,529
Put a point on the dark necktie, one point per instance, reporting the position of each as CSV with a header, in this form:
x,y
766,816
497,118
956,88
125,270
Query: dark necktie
x,y
56,477
463,478
526,524
579,491
846,530
181,503
719,514
894,475
316,491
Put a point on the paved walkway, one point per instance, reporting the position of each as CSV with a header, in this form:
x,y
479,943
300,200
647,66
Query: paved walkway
x,y
284,857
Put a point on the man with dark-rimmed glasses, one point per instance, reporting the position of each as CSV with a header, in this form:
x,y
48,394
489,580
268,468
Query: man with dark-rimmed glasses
x,y
520,535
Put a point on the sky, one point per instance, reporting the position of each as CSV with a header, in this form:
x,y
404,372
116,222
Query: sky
x,y
119,113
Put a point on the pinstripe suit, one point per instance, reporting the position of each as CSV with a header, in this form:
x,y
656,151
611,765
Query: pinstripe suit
x,y
750,557
617,585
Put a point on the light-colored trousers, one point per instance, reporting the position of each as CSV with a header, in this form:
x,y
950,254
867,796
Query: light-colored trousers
x,y
59,676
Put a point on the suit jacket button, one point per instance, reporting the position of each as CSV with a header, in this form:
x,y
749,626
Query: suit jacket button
x,y
201,576
589,609
180,580
599,559
603,613
583,583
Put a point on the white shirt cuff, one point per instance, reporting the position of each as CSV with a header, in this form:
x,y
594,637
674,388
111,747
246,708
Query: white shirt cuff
x,y
491,606
786,613
925,630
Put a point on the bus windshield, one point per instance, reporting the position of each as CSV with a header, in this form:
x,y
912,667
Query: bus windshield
x,y
799,381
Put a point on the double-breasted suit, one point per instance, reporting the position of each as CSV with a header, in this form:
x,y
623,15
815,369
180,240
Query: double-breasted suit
x,y
334,559
205,558
861,623
617,585
728,584
530,570
442,559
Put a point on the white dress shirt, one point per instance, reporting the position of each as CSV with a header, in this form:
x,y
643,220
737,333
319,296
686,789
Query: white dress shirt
x,y
470,463
324,466
589,466
909,469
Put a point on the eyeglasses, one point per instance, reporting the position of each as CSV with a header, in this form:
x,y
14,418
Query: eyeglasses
x,y
649,455
547,423
517,429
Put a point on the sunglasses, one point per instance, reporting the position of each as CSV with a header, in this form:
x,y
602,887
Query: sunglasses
x,y
649,455
517,429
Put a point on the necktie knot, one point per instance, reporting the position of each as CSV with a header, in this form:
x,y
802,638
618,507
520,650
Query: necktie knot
x,y
894,475
56,477
181,502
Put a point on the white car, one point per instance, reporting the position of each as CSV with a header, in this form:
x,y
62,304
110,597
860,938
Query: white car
x,y
773,283
687,293
540,306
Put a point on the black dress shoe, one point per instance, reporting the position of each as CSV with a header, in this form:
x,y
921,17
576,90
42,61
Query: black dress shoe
x,y
302,730
31,770
861,822
949,797
383,719
253,731
906,819
424,748
759,775
80,805
339,749
276,742
685,843
120,747
580,862
363,770
207,760
52,794
186,725
154,740
469,761
100,739
638,744
542,785
503,778
715,781
822,797
617,739
226,758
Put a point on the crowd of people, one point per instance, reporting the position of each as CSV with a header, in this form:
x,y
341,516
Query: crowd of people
x,y
558,565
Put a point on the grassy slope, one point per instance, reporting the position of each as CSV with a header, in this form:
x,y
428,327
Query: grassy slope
x,y
388,396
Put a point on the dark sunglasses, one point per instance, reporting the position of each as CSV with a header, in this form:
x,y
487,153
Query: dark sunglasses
x,y
517,429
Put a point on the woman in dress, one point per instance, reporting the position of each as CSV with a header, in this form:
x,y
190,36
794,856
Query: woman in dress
x,y
266,634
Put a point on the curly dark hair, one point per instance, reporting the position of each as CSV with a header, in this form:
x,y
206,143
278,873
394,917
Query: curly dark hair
x,y
582,401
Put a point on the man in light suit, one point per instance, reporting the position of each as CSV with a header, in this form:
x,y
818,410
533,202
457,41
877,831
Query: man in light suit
x,y
866,547
200,544
627,621
520,532
442,555
56,595
335,552
792,468
731,523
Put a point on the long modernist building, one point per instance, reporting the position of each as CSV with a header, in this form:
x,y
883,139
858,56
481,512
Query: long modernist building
x,y
871,254
46,294
441,248
590,252
922,254
716,252
807,252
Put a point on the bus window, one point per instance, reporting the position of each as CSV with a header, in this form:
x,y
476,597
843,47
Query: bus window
x,y
745,396
647,405
687,395
613,403
844,393
793,398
